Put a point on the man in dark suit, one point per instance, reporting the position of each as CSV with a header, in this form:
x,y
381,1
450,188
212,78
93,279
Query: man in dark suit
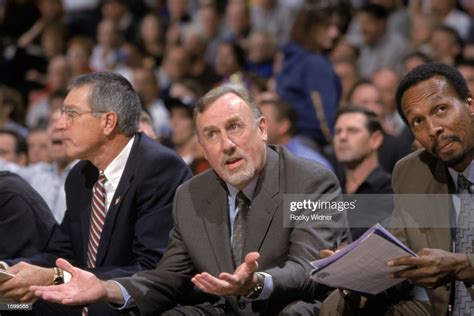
x,y
264,269
130,180
21,206
435,102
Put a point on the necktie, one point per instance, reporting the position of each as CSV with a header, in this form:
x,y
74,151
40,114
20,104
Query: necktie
x,y
97,219
240,221
463,304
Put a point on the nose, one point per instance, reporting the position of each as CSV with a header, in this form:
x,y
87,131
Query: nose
x,y
434,128
228,146
60,122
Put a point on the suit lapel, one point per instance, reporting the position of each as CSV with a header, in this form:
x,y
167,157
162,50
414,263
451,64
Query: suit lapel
x,y
264,203
116,202
216,222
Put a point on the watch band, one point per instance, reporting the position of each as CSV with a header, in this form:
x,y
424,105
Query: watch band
x,y
58,277
258,288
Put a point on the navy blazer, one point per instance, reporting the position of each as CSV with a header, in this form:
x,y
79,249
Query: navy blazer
x,y
138,221
22,209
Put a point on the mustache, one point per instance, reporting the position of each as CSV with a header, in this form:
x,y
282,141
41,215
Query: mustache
x,y
444,139
235,155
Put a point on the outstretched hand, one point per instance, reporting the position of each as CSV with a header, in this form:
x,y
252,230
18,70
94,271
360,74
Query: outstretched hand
x,y
83,288
239,283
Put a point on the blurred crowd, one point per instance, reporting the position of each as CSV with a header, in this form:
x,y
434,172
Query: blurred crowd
x,y
302,60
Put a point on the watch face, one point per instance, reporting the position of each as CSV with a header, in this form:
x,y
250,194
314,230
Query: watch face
x,y
58,280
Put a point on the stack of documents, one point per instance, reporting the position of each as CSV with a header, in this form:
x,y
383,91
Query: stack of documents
x,y
362,265
4,275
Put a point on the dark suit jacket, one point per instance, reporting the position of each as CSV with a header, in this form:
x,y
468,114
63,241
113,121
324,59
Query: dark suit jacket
x,y
425,222
200,237
23,210
138,220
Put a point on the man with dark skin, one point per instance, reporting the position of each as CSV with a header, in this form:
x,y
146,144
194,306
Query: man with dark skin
x,y
435,102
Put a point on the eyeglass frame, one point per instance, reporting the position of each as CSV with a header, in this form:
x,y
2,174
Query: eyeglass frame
x,y
68,112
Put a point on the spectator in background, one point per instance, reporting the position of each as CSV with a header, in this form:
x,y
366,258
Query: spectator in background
x,y
79,50
146,125
261,51
307,79
195,44
273,17
358,136
364,94
150,40
386,80
26,222
175,66
147,87
348,74
379,47
237,22
422,26
414,59
49,178
11,110
445,45
183,137
230,63
446,12
466,68
38,145
210,22
58,76
119,12
106,54
281,120
13,147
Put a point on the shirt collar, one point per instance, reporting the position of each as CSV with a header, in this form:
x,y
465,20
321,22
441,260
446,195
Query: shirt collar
x,y
114,170
468,173
249,190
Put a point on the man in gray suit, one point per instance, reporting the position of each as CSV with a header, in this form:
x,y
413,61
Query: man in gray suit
x,y
244,192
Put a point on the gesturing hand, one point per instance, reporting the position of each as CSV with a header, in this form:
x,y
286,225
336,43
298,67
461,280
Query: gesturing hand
x,y
239,283
83,288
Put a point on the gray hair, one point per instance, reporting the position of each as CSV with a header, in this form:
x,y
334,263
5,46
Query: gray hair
x,y
111,92
211,97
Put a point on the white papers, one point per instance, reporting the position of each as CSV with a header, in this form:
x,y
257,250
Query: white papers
x,y
4,275
362,265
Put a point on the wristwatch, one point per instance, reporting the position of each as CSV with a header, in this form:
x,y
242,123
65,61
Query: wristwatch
x,y
258,288
58,277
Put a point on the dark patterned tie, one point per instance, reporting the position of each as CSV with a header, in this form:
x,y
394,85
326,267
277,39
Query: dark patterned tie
x,y
463,304
240,222
97,219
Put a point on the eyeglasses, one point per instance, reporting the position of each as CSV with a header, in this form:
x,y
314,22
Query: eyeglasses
x,y
72,114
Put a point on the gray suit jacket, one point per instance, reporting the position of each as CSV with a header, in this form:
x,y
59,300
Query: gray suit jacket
x,y
200,238
425,222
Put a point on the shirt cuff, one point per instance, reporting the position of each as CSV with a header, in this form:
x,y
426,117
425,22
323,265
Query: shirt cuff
x,y
129,302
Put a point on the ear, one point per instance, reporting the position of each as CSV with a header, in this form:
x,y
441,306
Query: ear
x,y
376,140
470,104
109,122
262,126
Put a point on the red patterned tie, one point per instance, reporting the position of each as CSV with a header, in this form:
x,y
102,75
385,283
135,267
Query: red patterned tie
x,y
97,220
